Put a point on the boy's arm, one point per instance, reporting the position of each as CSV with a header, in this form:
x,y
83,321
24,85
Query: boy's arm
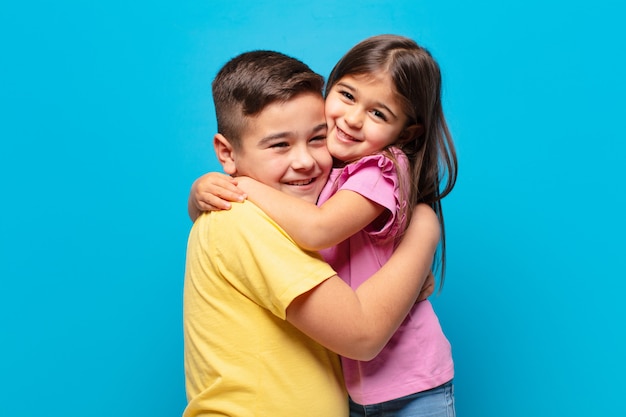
x,y
212,191
310,226
358,324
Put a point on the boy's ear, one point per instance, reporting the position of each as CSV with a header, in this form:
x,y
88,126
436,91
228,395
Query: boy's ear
x,y
412,132
225,154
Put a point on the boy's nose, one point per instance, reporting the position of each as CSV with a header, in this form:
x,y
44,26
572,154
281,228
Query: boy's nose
x,y
302,160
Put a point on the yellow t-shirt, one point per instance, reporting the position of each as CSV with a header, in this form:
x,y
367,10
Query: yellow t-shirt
x,y
242,358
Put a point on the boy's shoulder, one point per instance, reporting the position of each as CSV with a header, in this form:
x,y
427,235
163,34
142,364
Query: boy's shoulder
x,y
245,227
242,216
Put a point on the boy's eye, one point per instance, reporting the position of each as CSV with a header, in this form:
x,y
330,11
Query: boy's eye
x,y
279,145
319,138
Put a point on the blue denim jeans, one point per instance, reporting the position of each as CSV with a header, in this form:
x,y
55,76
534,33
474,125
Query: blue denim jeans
x,y
436,402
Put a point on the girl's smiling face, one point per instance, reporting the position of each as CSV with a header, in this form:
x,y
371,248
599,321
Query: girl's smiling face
x,y
364,115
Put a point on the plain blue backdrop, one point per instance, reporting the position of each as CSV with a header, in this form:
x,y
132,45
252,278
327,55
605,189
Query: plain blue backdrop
x,y
106,118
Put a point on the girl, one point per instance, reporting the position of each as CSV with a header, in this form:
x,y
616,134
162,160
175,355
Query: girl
x,y
392,150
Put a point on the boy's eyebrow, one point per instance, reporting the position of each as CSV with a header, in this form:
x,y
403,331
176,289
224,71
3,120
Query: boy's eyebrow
x,y
285,134
274,136
319,127
378,103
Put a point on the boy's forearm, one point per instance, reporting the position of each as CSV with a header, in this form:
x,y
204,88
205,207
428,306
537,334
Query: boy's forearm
x,y
389,294
359,324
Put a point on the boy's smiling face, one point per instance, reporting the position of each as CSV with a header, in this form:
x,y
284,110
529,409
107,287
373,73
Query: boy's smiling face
x,y
284,147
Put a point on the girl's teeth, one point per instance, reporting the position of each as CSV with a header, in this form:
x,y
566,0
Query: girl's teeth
x,y
307,182
345,136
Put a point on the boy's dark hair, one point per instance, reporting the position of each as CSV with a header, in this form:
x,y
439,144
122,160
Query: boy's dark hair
x,y
251,81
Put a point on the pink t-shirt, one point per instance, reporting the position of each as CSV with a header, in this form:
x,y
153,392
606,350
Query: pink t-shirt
x,y
418,357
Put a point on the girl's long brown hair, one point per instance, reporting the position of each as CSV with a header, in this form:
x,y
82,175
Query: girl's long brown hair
x,y
417,80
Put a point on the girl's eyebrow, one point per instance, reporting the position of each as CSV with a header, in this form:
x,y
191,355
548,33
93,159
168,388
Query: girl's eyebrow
x,y
377,103
348,86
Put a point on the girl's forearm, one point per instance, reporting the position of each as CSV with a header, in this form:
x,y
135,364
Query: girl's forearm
x,y
313,227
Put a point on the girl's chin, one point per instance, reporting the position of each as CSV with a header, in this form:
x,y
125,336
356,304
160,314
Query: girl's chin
x,y
336,148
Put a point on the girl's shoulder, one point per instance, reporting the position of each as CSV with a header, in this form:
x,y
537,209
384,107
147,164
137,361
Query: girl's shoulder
x,y
380,178
386,162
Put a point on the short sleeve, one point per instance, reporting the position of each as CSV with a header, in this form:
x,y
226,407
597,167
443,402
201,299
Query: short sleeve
x,y
262,261
376,178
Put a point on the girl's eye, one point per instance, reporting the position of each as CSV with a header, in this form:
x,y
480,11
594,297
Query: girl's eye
x,y
379,115
347,95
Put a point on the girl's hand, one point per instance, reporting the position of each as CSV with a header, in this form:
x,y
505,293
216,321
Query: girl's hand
x,y
211,192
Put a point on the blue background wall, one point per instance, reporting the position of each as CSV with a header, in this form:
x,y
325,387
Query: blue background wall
x,y
106,118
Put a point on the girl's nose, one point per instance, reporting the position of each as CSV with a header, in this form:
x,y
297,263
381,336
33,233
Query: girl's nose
x,y
354,118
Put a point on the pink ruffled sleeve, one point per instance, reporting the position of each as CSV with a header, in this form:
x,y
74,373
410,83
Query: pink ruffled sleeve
x,y
375,177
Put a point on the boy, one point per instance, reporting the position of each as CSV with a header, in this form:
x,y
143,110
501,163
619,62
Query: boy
x,y
259,312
